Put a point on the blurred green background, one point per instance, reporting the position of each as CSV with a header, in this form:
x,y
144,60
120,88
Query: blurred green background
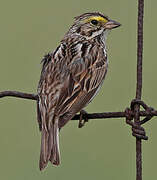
x,y
103,149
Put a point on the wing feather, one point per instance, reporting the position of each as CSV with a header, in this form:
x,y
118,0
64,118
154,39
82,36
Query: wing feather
x,y
83,84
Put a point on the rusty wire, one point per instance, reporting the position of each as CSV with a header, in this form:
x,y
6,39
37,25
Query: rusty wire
x,y
139,87
133,112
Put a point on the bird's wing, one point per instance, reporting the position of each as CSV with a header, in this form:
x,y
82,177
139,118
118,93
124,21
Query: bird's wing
x,y
83,82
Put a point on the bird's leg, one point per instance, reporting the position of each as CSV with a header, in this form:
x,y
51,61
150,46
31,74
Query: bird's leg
x,y
83,118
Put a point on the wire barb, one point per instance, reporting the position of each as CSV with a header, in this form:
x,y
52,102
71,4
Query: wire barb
x,y
137,130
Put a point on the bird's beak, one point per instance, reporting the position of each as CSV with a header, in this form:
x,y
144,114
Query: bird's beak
x,y
111,24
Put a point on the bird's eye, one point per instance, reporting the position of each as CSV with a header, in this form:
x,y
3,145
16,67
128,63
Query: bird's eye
x,y
94,22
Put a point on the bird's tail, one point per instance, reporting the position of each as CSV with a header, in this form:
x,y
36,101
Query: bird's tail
x,y
50,146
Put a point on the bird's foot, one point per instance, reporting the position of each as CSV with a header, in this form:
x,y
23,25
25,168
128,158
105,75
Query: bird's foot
x,y
83,118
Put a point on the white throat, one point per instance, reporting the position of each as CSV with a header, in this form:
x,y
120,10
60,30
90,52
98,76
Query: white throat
x,y
97,33
105,34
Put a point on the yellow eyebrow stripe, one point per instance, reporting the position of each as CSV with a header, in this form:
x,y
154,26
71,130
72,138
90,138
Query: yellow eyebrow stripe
x,y
98,18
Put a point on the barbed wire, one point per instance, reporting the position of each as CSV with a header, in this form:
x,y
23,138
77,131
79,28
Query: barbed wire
x,y
130,113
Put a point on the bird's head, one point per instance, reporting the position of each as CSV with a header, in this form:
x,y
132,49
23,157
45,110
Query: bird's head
x,y
93,24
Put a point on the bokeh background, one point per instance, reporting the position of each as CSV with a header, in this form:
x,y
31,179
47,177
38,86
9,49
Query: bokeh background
x,y
103,149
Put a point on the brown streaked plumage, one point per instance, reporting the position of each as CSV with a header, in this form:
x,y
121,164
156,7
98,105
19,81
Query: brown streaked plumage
x,y
71,76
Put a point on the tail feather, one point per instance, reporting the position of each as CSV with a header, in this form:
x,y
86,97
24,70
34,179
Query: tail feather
x,y
50,146
44,150
55,152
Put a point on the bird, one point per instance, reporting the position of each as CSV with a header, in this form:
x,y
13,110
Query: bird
x,y
71,76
